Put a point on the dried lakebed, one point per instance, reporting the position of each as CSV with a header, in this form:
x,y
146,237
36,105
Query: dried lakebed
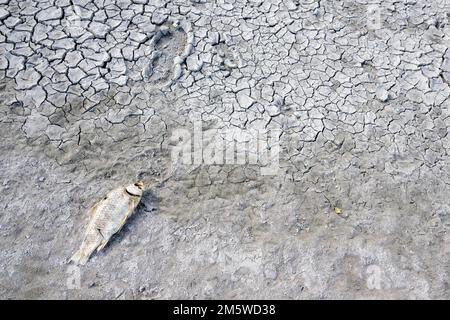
x,y
92,94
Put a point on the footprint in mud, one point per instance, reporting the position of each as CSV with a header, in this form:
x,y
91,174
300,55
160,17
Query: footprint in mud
x,y
171,45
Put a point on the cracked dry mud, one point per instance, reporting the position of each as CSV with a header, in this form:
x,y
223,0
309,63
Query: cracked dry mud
x,y
91,92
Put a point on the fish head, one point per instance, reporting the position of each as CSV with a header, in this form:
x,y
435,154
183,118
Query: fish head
x,y
136,189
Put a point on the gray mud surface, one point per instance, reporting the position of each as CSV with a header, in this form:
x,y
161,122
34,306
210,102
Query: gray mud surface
x,y
91,93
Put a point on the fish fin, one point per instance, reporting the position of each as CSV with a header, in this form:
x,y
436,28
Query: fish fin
x,y
80,257
105,241
93,209
88,246
124,220
132,208
102,245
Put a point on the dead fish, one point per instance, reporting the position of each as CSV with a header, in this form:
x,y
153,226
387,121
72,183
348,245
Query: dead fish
x,y
107,217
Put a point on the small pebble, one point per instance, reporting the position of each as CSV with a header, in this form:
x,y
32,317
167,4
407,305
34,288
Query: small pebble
x,y
382,94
